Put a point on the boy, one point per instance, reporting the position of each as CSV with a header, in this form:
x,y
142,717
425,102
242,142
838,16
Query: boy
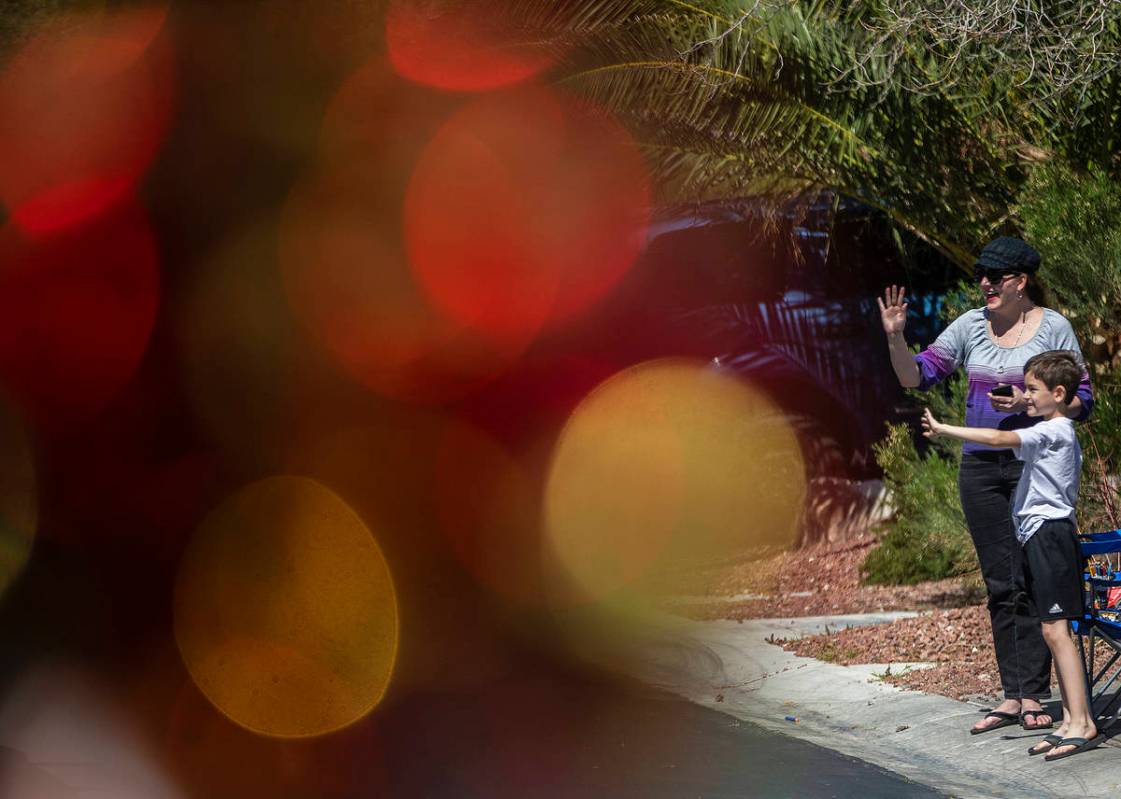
x,y
1043,514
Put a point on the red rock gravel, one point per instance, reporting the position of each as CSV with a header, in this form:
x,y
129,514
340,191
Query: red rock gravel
x,y
956,640
825,580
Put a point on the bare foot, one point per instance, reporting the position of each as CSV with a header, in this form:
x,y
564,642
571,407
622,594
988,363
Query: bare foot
x,y
1086,731
1034,717
1049,742
1010,706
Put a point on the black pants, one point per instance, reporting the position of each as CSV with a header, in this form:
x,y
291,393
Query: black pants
x,y
986,482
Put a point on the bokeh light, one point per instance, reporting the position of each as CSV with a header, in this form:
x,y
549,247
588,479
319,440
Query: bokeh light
x,y
552,385
19,509
321,37
83,107
237,340
488,509
465,46
78,309
379,121
387,470
215,757
342,256
134,478
347,279
664,466
255,379
285,610
59,725
525,208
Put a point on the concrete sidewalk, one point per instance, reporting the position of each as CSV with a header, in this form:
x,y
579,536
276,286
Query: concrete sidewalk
x,y
730,667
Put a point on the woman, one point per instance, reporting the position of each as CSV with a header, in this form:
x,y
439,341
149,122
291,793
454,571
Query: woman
x,y
992,344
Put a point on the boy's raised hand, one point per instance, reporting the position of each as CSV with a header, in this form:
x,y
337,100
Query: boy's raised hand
x,y
931,427
893,310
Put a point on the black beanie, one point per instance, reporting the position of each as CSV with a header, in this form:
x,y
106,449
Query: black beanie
x,y
1010,255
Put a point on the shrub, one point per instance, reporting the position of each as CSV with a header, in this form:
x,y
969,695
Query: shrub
x,y
926,539
1074,220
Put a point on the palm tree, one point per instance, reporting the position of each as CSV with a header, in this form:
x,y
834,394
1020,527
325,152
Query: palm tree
x,y
754,98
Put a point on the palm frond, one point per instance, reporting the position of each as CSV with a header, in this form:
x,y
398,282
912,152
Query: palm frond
x,y
774,97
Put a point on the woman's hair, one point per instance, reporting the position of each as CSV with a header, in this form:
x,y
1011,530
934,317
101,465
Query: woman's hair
x,y
1036,291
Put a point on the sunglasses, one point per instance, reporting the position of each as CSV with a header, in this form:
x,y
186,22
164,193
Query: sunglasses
x,y
995,276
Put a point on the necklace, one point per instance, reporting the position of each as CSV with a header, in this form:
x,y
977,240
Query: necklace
x,y
1023,327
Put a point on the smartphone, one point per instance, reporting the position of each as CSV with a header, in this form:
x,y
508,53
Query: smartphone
x,y
1002,391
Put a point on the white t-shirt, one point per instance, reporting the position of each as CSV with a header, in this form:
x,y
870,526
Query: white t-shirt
x,y
1048,487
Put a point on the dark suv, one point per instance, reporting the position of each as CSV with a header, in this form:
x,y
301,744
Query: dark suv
x,y
788,301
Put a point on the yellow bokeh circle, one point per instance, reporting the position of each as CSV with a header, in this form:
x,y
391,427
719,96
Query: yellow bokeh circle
x,y
664,466
285,611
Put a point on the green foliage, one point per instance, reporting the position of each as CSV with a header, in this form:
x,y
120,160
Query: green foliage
x,y
961,298
1075,221
786,97
927,538
1098,505
20,18
732,100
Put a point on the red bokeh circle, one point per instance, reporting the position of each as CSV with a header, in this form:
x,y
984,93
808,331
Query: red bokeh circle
x,y
347,279
525,209
78,308
463,47
488,507
84,105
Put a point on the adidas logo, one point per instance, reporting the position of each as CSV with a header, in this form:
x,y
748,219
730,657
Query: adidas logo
x,y
1055,608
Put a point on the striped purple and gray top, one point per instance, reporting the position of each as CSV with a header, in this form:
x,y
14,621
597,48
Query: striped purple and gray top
x,y
966,341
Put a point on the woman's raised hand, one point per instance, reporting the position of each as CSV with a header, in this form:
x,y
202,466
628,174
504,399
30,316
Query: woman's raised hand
x,y
893,310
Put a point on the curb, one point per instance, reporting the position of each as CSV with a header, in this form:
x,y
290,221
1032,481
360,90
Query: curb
x,y
728,666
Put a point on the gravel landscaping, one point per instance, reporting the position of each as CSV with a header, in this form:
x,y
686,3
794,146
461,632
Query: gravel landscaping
x,y
825,580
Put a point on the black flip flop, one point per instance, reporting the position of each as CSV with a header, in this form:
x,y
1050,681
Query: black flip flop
x,y
1081,745
1006,720
1034,714
1047,739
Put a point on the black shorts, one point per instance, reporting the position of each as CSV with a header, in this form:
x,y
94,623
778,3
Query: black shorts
x,y
1053,571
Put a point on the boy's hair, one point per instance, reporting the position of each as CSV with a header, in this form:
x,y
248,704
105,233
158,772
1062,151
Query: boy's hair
x,y
1056,368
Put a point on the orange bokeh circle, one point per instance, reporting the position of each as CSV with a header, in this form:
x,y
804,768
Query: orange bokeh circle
x,y
668,466
285,610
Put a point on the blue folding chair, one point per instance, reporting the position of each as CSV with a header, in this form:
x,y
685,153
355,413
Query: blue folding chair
x,y
1100,626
